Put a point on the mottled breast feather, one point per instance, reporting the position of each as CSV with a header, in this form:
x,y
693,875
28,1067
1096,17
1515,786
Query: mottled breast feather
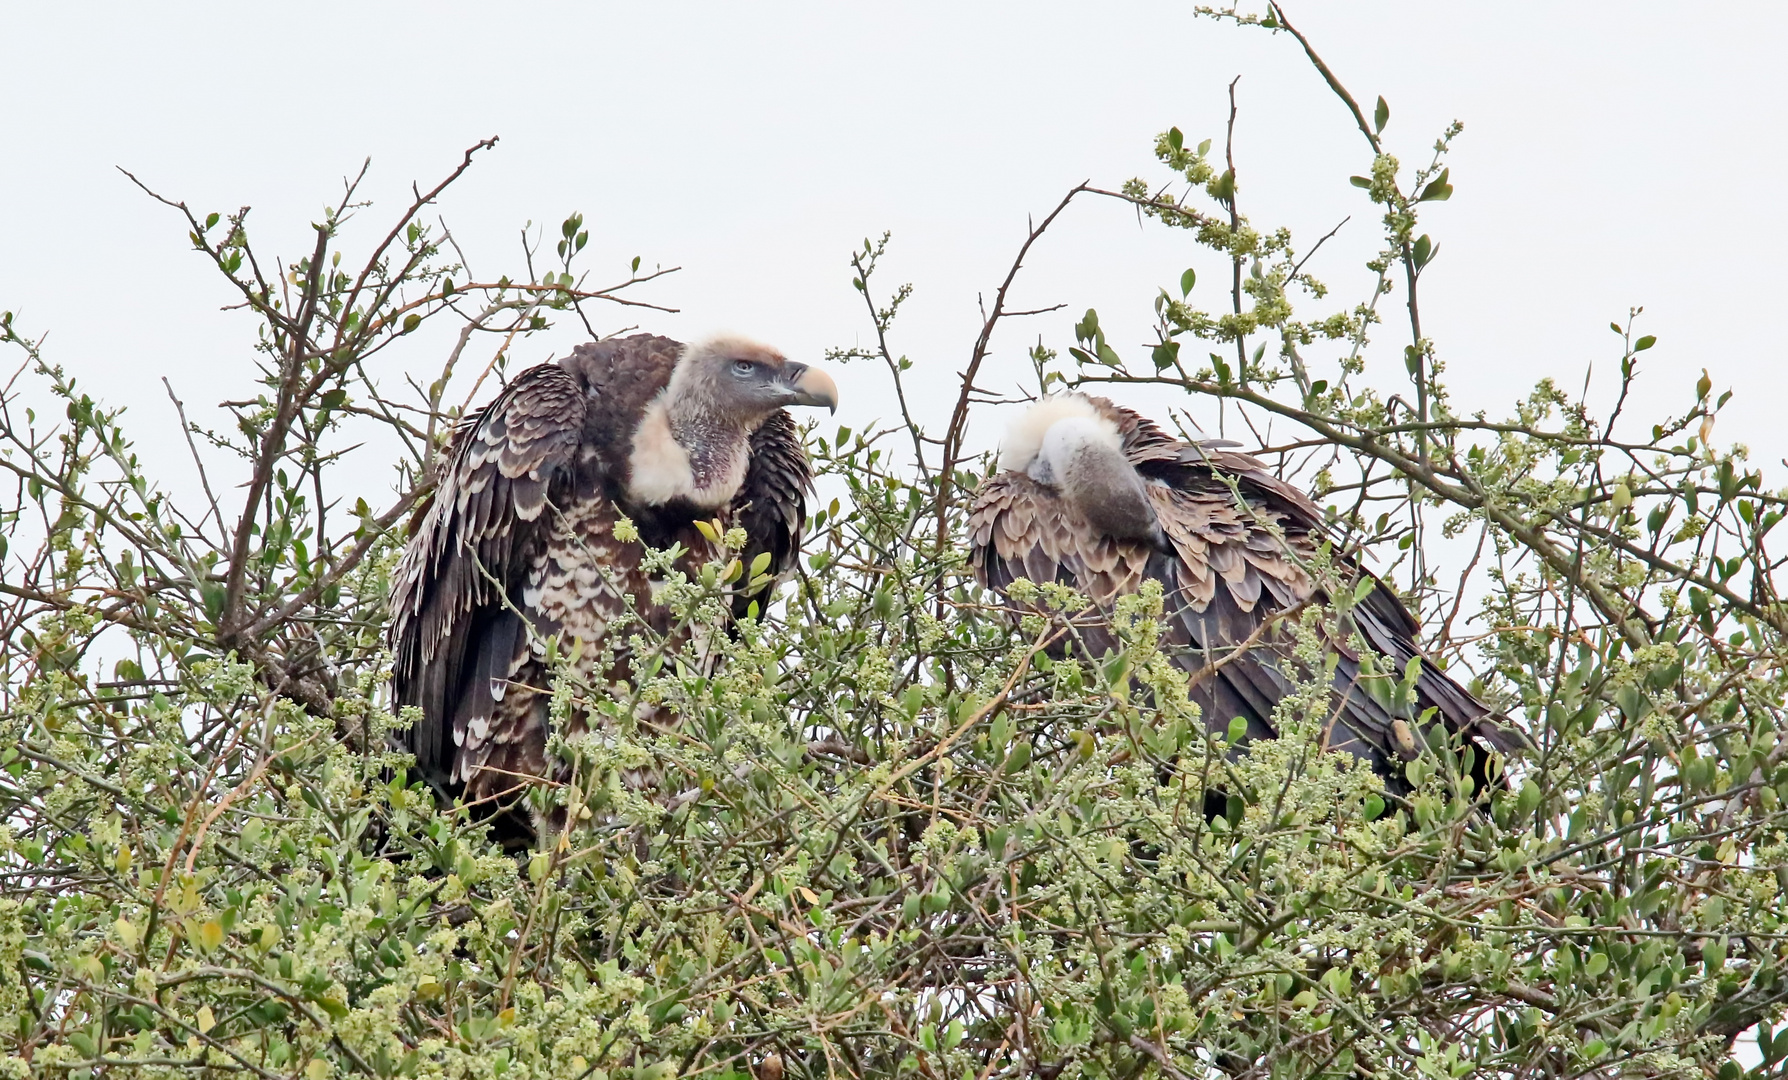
x,y
518,545
1227,566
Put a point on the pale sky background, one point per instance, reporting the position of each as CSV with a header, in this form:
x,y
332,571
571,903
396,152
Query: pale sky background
x,y
1614,155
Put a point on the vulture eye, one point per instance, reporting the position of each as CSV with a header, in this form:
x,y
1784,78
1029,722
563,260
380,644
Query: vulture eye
x,y
743,368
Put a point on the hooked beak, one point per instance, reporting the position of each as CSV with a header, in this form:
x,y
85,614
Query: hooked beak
x,y
809,386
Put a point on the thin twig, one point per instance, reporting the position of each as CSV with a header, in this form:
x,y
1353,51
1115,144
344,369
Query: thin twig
x,y
198,462
957,428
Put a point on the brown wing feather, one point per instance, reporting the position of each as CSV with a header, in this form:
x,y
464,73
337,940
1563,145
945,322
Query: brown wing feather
x,y
487,525
1230,565
772,504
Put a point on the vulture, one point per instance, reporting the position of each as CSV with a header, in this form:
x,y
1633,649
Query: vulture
x,y
1093,495
520,542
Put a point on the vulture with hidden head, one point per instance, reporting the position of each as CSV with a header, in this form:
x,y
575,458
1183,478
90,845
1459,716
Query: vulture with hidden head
x,y
519,543
1095,496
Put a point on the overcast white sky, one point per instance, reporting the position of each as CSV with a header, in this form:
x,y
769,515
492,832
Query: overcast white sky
x,y
1614,155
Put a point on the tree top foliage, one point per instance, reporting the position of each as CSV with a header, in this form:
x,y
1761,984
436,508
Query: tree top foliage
x,y
909,843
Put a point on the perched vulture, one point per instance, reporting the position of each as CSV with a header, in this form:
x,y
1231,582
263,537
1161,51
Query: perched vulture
x,y
1095,496
519,543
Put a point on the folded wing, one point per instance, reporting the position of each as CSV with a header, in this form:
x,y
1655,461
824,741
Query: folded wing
x,y
458,629
1235,563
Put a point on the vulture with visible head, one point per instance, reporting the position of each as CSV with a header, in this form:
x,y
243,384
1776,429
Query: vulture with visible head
x,y
520,543
1097,497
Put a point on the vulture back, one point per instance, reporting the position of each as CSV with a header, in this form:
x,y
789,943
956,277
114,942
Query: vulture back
x,y
1233,551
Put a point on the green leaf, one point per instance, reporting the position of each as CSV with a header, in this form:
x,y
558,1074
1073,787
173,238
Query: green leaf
x,y
1713,955
1175,139
1187,280
1529,799
1238,727
1423,251
1360,181
1165,355
1645,343
1773,1050
1363,588
1632,702
1381,115
411,322
1223,187
1088,327
1438,189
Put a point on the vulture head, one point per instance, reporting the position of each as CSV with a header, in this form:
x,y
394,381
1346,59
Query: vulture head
x,y
694,440
1066,443
739,382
